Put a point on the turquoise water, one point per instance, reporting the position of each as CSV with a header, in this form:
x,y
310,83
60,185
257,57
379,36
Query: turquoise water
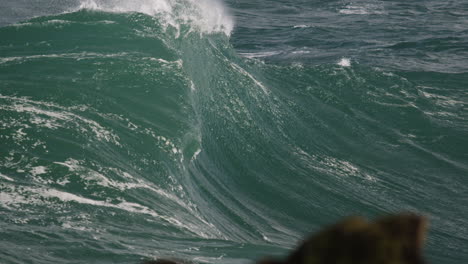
x,y
225,132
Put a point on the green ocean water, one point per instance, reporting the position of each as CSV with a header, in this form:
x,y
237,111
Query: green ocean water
x,y
225,132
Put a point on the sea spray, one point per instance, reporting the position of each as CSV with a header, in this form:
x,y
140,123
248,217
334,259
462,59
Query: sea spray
x,y
206,16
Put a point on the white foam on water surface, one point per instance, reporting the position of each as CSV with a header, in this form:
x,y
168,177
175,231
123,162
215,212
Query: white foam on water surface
x,y
331,165
77,56
52,116
261,54
301,26
195,155
296,52
38,170
344,62
71,164
6,177
94,177
10,200
354,10
208,16
29,199
362,9
245,73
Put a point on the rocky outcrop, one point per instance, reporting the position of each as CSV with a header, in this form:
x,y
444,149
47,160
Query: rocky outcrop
x,y
395,239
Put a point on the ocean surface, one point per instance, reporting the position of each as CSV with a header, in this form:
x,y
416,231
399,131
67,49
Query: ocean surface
x,y
222,132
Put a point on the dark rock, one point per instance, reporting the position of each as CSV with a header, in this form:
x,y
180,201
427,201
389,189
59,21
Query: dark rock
x,y
396,239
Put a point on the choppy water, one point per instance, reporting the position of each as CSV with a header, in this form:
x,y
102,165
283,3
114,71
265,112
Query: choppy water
x,y
224,132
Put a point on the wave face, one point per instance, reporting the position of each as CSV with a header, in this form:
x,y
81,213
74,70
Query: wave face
x,y
133,131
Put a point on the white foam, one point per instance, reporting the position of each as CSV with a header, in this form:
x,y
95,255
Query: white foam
x,y
9,200
177,63
242,71
125,206
301,52
301,26
56,118
35,196
195,155
171,147
70,225
362,9
13,196
442,100
20,134
100,179
208,16
354,10
331,165
38,170
261,54
69,197
71,164
63,182
344,62
192,86
6,177
76,56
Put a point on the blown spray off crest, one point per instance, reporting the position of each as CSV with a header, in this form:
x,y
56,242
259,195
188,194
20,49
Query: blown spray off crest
x,y
206,16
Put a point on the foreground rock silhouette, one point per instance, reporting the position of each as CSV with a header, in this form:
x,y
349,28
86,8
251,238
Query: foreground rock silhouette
x,y
395,239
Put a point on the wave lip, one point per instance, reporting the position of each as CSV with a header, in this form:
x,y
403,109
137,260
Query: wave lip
x,y
207,16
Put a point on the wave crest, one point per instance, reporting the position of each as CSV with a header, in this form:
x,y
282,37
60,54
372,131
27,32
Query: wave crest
x,y
207,16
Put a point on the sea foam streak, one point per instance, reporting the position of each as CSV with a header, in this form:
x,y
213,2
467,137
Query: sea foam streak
x,y
207,16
